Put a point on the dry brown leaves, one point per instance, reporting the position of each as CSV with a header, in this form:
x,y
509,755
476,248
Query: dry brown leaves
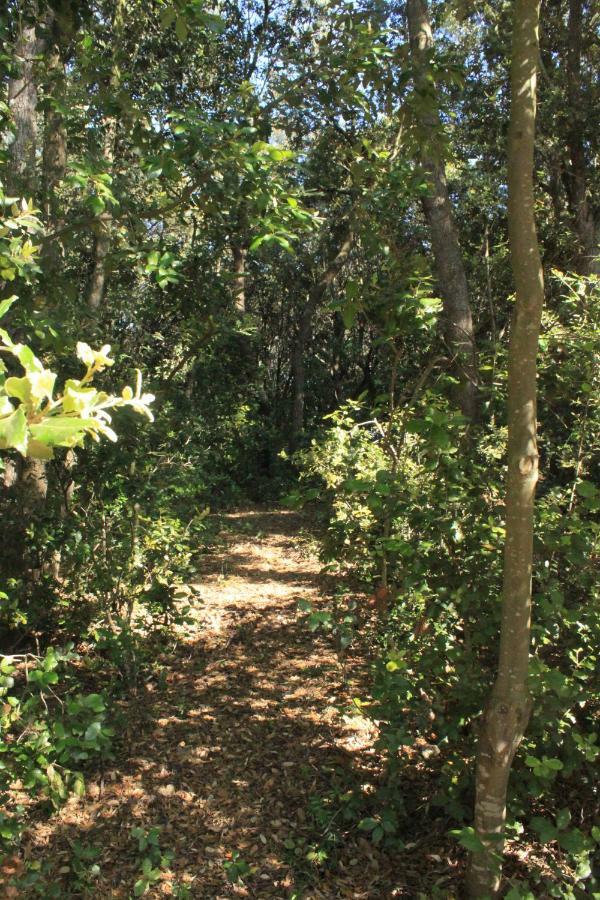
x,y
225,757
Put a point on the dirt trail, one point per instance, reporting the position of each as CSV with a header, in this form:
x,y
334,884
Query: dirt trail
x,y
225,752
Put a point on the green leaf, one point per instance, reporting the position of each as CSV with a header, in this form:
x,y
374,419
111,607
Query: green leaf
x,y
349,311
211,21
440,437
357,484
95,702
181,29
27,358
79,785
37,450
77,399
168,17
544,828
469,839
60,431
317,619
5,305
92,731
33,388
573,841
96,204
587,489
516,894
13,432
6,407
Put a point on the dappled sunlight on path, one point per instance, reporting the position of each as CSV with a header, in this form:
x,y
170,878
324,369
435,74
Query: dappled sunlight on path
x,y
244,727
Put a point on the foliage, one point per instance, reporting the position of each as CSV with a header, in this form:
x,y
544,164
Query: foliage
x,y
204,167
18,224
434,651
40,422
49,730
153,859
237,869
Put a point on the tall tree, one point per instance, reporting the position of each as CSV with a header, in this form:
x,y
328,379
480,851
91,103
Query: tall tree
x,y
54,153
22,180
509,706
22,102
316,291
445,242
576,180
104,221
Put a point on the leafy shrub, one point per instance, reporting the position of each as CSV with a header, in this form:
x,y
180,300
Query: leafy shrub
x,y
49,731
431,512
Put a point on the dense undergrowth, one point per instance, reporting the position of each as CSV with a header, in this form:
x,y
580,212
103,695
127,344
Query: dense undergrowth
x,y
423,502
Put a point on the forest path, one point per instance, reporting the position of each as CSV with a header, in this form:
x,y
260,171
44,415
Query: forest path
x,y
225,749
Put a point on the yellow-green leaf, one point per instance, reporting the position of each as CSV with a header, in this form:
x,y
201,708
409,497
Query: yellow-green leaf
x,y
13,432
60,431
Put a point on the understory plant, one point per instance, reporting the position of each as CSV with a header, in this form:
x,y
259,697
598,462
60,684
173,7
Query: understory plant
x,y
432,510
50,732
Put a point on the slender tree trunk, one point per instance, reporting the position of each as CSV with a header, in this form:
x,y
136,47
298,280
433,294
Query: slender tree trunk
x,y
585,227
445,243
102,244
54,166
338,369
104,222
508,710
22,102
239,253
30,478
303,333
54,157
298,364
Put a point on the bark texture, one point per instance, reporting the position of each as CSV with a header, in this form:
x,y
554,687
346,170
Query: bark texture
x,y
22,102
445,243
54,155
29,477
508,710
585,226
239,253
104,222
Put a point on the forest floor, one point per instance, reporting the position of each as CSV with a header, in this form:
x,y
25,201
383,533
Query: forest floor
x,y
243,752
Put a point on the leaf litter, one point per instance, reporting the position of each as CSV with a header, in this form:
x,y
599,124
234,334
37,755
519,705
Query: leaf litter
x,y
224,756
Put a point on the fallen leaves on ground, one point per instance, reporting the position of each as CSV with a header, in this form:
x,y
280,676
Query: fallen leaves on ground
x,y
224,757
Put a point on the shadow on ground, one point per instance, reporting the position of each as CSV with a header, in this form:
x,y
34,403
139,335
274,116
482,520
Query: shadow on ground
x,y
238,751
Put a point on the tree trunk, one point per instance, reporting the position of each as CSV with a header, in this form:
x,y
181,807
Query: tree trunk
x,y
299,371
507,712
104,221
315,295
54,156
584,223
31,480
450,270
239,253
102,244
22,102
